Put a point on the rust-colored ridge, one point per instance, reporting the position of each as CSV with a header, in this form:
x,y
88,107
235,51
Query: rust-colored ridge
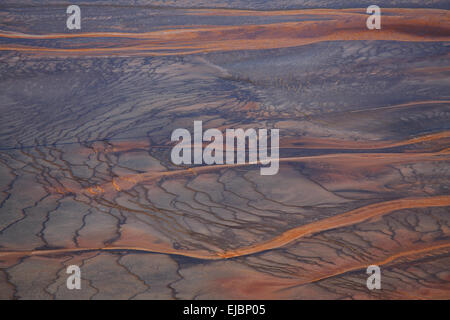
x,y
352,217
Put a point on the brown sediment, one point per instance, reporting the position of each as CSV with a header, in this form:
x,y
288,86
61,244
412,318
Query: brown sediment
x,y
302,12
16,254
352,217
269,287
336,25
108,205
329,143
349,218
409,104
352,160
430,70
286,143
403,254
345,159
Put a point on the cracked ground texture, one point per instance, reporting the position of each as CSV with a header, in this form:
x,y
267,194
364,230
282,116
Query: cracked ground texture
x,y
85,171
